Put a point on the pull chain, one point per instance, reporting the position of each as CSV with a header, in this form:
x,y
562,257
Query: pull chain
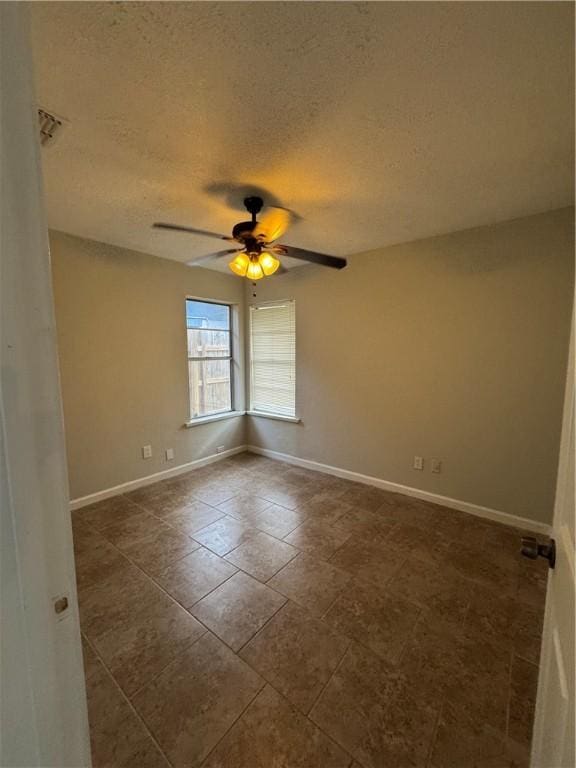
x,y
253,290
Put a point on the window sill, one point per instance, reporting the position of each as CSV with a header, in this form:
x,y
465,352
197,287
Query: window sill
x,y
213,417
277,416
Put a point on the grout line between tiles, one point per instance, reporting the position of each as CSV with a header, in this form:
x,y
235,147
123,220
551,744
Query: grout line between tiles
x,y
509,697
261,629
314,724
384,587
127,700
432,744
336,668
258,692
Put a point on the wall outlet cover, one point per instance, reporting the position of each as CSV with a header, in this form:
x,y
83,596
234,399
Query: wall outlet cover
x,y
146,451
169,454
436,466
418,462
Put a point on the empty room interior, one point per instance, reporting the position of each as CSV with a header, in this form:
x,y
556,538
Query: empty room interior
x,y
302,302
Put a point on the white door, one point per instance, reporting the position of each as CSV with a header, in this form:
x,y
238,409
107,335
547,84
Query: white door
x,y
43,720
553,742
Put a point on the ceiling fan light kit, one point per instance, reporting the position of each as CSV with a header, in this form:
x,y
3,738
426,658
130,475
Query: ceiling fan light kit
x,y
254,266
257,259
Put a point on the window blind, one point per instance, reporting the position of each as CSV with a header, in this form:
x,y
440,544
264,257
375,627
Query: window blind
x,y
273,358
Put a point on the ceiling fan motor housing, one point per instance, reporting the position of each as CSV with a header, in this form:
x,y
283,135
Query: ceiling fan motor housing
x,y
243,231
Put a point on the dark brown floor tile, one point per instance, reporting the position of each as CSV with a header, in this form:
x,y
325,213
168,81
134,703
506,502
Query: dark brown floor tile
x,y
367,561
278,521
109,511
532,582
503,543
471,673
158,550
193,702
505,621
491,615
325,507
368,710
476,565
424,544
118,599
318,538
311,583
167,502
96,559
129,531
296,653
364,497
224,535
379,621
137,651
141,495
300,477
514,756
404,509
243,506
523,687
373,527
237,609
193,517
271,733
527,641
443,596
462,741
194,576
287,496
118,739
262,556
462,529
215,494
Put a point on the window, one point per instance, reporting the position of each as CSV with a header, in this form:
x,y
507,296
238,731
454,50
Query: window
x,y
209,357
273,359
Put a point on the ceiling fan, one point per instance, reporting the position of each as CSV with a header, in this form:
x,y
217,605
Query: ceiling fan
x,y
258,255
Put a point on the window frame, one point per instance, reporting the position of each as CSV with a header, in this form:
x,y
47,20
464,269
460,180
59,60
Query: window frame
x,y
251,410
214,415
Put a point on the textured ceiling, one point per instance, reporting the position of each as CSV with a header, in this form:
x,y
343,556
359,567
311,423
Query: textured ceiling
x,y
376,123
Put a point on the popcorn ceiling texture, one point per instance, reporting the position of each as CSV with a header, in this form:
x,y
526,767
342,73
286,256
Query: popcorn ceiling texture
x,y
376,123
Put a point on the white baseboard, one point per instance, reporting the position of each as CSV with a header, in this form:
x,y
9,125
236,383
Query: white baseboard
x,y
406,490
131,485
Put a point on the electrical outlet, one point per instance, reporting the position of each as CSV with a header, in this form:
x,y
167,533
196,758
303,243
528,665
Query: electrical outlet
x,y
146,451
436,466
418,462
169,454
220,449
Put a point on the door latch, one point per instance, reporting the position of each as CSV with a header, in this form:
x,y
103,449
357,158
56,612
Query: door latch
x,y
532,549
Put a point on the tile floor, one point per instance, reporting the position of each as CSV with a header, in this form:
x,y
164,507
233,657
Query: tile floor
x,y
254,615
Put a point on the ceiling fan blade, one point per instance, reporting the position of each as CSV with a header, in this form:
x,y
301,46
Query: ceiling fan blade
x,y
272,225
315,258
210,257
192,230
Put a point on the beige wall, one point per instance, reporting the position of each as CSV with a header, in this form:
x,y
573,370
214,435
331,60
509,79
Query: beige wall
x,y
453,347
122,349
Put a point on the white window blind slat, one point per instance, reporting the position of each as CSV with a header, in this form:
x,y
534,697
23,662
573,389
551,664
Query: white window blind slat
x,y
273,358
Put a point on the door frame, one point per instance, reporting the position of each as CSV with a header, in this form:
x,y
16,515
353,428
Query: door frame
x,y
552,654
43,713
